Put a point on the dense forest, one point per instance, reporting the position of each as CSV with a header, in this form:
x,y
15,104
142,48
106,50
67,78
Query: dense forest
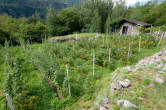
x,y
25,8
92,16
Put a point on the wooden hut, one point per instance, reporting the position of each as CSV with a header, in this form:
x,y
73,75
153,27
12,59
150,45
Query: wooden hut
x,y
130,26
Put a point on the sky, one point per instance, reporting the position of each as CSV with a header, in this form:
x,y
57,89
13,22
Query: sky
x,y
132,2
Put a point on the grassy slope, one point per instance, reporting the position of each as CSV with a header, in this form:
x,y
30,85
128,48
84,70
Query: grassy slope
x,y
35,82
103,87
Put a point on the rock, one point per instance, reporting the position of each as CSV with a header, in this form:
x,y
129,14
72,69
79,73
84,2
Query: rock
x,y
159,80
100,36
126,83
141,99
103,108
97,104
129,69
151,85
105,100
164,68
160,54
126,103
161,72
118,85
115,86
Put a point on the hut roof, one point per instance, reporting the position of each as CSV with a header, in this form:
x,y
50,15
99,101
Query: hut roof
x,y
139,23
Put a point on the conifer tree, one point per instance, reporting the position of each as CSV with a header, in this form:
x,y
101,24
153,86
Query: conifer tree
x,y
51,21
96,23
108,24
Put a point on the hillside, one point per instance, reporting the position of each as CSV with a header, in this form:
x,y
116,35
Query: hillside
x,y
137,87
71,75
26,8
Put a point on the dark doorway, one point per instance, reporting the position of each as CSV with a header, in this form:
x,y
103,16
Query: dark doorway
x,y
125,29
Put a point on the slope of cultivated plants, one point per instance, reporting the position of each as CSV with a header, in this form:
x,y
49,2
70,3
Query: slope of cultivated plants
x,y
56,75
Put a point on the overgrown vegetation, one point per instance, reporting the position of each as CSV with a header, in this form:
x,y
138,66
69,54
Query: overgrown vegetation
x,y
58,76
94,16
35,75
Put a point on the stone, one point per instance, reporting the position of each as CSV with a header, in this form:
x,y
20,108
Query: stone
x,y
126,103
141,99
115,86
129,69
103,108
106,107
151,85
105,100
161,72
97,104
159,80
125,83
164,68
118,85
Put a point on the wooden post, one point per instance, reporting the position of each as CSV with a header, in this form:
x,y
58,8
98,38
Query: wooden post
x,y
164,35
151,29
45,36
76,37
129,50
160,40
69,87
103,41
109,59
139,44
93,64
9,102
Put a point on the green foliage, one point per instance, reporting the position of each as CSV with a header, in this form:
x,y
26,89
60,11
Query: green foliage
x,y
4,37
152,12
51,21
108,25
65,22
94,14
14,82
96,23
70,20
26,8
36,32
14,30
27,85
147,81
118,13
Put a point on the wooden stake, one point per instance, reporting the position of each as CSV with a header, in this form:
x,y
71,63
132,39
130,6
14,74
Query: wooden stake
x,y
109,59
139,44
93,64
129,50
103,41
69,87
160,39
151,29
9,102
76,37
